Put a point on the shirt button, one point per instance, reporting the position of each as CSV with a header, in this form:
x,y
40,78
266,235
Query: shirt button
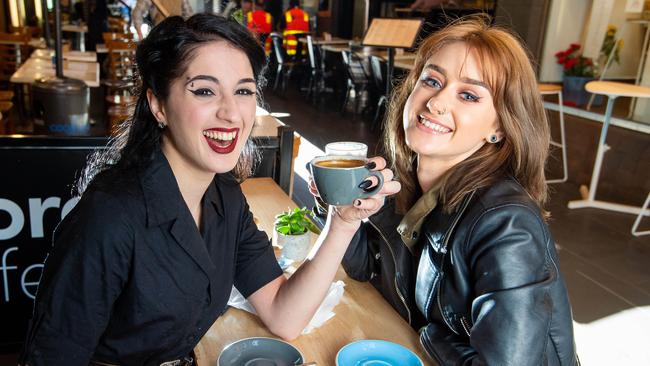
x,y
377,256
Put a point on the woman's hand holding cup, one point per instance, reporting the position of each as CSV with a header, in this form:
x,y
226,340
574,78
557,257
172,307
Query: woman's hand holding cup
x,y
336,176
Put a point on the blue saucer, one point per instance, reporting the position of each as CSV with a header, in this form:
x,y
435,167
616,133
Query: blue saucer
x,y
376,353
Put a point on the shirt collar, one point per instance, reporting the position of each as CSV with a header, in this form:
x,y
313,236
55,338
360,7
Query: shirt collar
x,y
213,194
162,196
410,226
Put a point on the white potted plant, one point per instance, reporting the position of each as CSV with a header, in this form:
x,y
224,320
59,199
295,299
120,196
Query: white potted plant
x,y
291,233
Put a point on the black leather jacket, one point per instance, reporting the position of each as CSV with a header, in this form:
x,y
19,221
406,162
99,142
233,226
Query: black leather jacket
x,y
486,279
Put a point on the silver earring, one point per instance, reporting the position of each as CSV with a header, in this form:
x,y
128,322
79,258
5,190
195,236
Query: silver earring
x,y
161,125
494,139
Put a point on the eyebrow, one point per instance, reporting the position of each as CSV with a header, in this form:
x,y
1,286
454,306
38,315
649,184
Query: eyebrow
x,y
464,79
216,81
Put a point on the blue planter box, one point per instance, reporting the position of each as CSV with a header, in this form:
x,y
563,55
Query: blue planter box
x,y
574,93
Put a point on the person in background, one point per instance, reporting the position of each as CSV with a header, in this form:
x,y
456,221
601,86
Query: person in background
x,y
463,252
146,8
145,262
260,22
296,22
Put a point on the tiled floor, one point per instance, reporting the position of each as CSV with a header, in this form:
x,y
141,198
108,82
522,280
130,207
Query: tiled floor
x,y
605,267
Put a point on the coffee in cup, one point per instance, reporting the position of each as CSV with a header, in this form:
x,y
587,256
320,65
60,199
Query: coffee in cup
x,y
337,179
341,163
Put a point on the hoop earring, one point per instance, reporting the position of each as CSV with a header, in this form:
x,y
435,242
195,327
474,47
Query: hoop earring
x,y
162,125
493,139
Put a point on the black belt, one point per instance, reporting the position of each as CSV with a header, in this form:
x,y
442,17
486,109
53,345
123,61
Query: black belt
x,y
185,361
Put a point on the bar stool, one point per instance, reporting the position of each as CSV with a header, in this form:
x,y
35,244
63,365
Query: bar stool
x,y
637,222
612,90
549,89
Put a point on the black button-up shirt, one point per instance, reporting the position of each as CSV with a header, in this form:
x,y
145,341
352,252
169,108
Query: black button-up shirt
x,y
131,280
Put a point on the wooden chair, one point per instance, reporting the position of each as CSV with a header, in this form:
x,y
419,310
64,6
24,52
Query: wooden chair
x,y
113,36
121,79
118,25
6,95
14,51
34,32
277,155
550,89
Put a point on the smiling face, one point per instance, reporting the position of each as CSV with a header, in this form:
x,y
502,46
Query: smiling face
x,y
209,112
450,113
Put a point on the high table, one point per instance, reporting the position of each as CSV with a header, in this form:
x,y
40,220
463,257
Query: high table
x,y
35,68
361,314
79,56
612,90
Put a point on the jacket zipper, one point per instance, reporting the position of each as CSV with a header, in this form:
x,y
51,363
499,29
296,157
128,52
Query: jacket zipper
x,y
465,324
444,253
390,249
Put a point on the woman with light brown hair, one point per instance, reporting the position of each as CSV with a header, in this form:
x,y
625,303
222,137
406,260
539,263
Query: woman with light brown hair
x,y
463,252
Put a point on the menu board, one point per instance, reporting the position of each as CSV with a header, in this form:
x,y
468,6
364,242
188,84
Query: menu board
x,y
388,32
168,7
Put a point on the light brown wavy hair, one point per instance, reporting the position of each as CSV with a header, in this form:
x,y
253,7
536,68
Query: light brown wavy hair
x,y
523,149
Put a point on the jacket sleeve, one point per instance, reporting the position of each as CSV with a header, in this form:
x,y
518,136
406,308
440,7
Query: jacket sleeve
x,y
511,271
358,261
83,276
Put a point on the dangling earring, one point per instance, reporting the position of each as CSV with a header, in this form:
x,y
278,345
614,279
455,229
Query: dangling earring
x,y
494,139
161,125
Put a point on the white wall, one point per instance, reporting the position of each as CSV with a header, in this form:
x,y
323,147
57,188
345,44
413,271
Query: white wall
x,y
567,19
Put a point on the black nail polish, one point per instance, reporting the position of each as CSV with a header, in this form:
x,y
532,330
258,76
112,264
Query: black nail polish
x,y
371,165
365,184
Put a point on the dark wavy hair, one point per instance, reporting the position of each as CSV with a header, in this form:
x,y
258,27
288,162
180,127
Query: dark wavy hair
x,y
162,57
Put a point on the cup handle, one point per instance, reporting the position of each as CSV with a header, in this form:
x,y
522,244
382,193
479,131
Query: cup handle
x,y
376,189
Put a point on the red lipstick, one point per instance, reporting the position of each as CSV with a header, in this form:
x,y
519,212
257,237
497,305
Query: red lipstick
x,y
223,149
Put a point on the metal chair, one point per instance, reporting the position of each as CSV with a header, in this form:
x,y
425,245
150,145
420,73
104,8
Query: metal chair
x,y
284,67
316,69
637,222
550,89
357,78
378,76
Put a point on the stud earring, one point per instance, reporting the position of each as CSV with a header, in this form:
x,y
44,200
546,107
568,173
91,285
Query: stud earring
x,y
494,139
161,125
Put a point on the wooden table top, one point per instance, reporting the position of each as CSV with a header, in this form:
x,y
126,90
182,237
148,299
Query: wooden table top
x,y
362,313
266,125
615,89
35,68
323,41
47,54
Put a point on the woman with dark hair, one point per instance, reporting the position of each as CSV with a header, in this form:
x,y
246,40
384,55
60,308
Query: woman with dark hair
x,y
145,263
463,252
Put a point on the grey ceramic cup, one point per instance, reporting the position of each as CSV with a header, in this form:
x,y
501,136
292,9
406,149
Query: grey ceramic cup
x,y
340,186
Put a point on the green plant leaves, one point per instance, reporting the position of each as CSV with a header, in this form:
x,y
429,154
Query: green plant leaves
x,y
295,222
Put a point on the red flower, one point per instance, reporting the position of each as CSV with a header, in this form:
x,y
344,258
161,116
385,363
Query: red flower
x,y
573,63
570,63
